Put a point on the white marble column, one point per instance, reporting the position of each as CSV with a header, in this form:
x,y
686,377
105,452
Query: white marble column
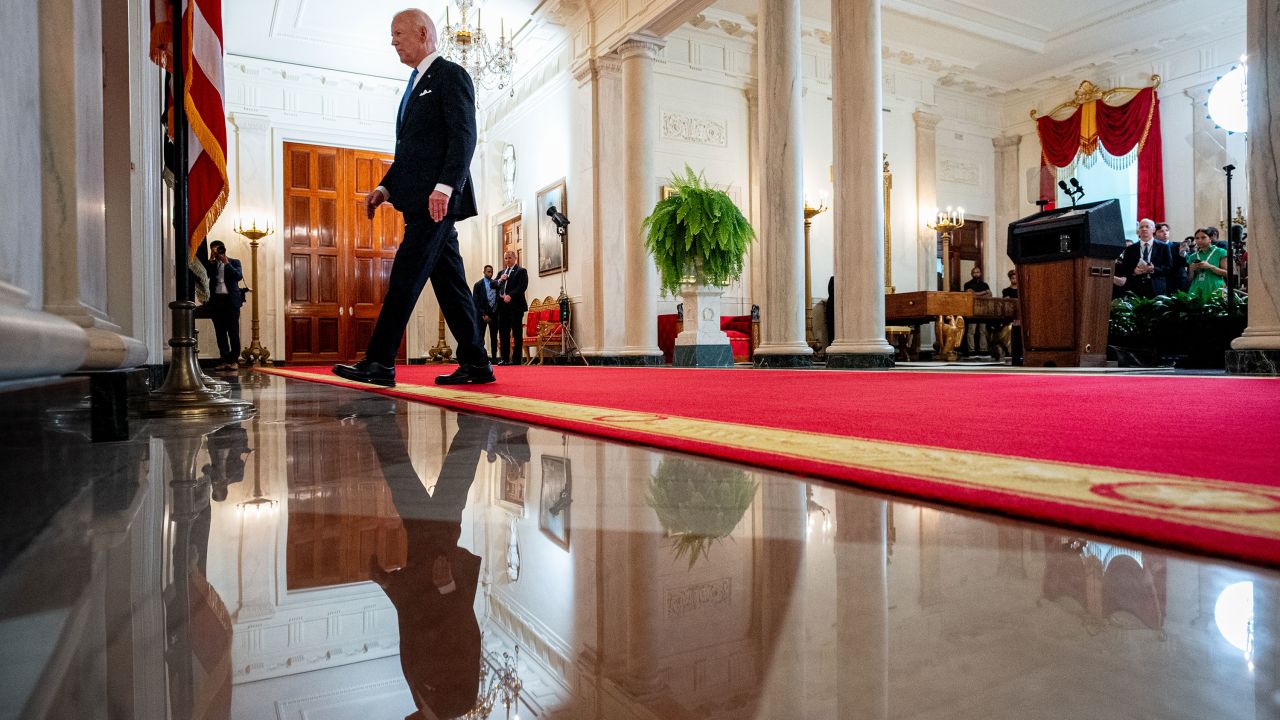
x,y
862,607
927,193
598,191
858,209
640,122
781,230
72,179
254,200
755,257
36,343
1208,143
1258,350
1008,207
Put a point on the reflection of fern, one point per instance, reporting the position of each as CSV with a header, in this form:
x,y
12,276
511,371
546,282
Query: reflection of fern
x,y
699,503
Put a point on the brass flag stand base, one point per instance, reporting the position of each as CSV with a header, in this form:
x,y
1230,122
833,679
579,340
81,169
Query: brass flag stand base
x,y
183,394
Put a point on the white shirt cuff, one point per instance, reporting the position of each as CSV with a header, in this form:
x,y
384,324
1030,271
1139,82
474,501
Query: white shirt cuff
x,y
448,588
384,192
446,189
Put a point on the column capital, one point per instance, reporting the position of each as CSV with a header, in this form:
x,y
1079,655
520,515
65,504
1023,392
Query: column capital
x,y
640,45
1004,142
244,121
596,68
926,120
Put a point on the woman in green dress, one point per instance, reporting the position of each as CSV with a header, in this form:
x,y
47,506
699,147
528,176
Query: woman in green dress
x,y
1207,265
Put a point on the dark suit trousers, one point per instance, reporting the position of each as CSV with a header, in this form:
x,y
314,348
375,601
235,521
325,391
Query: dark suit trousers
x,y
413,504
429,251
226,326
490,328
511,330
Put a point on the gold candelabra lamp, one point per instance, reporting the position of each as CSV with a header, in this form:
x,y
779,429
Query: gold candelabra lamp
x,y
811,211
442,353
945,222
255,354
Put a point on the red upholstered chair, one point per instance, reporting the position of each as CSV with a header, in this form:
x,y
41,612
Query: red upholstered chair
x,y
668,328
738,328
531,320
551,334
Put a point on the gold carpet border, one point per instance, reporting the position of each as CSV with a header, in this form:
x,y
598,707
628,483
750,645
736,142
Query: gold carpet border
x,y
1203,502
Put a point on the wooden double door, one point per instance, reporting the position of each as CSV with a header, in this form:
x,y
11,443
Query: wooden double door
x,y
337,261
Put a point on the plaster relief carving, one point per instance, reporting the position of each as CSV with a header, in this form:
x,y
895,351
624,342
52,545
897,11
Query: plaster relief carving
x,y
958,172
682,601
676,126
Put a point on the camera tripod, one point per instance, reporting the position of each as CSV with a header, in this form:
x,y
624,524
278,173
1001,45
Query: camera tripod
x,y
566,308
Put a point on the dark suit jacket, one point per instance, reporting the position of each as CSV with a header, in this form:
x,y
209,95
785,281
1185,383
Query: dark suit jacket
x,y
435,139
481,298
516,284
1160,258
232,276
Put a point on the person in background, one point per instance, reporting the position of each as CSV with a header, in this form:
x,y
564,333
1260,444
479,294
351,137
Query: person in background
x,y
1177,279
512,283
1145,264
1012,290
225,300
485,295
975,334
1207,266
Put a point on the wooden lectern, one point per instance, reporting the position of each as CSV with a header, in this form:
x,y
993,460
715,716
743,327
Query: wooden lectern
x,y
1066,259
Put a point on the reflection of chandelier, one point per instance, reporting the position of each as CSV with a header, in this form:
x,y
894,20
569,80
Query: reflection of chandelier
x,y
499,685
490,66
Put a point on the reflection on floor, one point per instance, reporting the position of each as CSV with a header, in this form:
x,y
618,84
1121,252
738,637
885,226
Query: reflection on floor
x,y
343,555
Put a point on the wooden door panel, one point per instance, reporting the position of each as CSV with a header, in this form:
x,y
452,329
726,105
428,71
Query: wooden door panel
x,y
337,260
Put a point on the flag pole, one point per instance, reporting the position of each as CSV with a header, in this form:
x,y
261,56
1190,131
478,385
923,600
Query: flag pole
x,y
183,394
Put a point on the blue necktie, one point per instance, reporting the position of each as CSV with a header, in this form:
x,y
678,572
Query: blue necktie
x,y
408,92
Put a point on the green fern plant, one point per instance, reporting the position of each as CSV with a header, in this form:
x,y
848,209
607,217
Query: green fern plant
x,y
699,503
697,232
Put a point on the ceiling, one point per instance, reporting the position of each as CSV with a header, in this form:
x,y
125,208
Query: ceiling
x,y
995,44
341,34
1005,44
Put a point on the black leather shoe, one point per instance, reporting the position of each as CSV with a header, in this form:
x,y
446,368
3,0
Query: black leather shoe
x,y
467,375
367,371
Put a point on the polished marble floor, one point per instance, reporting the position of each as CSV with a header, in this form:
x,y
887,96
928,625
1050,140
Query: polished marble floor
x,y
345,555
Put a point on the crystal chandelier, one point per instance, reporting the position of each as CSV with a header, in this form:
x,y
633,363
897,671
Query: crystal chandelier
x,y
490,65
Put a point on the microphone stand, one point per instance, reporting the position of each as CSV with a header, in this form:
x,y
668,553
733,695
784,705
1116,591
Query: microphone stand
x,y
1231,247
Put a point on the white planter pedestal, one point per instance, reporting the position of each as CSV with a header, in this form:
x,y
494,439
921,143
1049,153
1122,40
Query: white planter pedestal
x,y
702,343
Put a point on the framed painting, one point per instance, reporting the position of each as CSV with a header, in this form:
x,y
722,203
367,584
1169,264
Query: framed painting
x,y
551,251
556,499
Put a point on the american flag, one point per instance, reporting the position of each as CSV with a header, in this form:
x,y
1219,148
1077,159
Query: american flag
x,y
207,185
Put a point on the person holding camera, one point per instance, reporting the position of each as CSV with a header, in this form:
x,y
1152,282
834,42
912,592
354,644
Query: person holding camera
x,y
225,300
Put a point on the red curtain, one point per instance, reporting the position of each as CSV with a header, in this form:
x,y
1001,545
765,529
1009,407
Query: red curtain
x,y
1121,128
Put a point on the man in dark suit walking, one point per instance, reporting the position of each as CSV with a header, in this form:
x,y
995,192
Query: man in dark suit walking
x,y
485,296
430,182
1146,264
225,300
512,282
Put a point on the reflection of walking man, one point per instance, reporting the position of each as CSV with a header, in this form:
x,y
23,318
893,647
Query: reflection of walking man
x,y
429,181
225,300
512,282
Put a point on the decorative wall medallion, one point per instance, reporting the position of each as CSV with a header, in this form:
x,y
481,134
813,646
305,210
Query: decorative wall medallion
x,y
958,172
509,173
681,601
676,126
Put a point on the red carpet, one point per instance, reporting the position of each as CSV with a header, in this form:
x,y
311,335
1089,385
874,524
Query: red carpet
x,y
1187,462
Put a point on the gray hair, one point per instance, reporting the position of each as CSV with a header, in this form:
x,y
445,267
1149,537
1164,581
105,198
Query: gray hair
x,y
419,18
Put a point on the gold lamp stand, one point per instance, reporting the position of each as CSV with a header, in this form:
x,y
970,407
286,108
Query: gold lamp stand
x,y
946,222
255,354
441,353
810,212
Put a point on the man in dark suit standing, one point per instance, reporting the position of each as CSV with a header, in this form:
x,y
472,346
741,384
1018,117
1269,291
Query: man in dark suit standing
x,y
485,296
430,182
225,300
512,282
1146,264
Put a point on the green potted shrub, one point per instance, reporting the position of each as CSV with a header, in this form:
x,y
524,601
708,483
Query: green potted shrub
x,y
699,503
698,239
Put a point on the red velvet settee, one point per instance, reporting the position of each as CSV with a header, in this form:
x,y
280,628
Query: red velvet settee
x,y
741,330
